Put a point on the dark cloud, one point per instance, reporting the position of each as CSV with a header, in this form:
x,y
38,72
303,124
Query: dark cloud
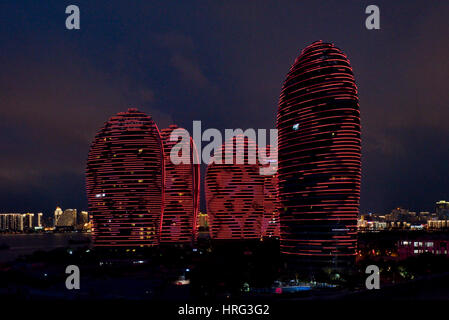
x,y
190,71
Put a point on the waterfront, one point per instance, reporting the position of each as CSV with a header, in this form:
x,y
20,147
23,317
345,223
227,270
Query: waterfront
x,y
23,244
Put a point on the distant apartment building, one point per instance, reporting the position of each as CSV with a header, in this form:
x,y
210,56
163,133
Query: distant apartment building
x,y
58,213
11,222
39,220
442,210
71,219
82,220
408,248
82,217
203,221
437,224
67,219
400,215
19,222
425,215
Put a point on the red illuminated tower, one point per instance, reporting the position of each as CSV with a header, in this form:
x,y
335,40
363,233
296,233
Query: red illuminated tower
x,y
234,193
319,157
182,191
125,181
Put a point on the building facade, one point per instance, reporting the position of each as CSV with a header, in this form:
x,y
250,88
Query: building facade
x,y
19,222
414,247
442,210
319,154
57,215
67,219
235,192
182,188
125,181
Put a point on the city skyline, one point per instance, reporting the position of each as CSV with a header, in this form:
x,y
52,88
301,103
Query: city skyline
x,y
227,75
211,158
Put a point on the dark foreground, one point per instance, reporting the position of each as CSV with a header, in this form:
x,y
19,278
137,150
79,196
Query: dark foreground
x,y
246,273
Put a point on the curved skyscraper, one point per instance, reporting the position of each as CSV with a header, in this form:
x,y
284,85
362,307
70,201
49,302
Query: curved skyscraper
x,y
319,157
182,189
125,181
235,193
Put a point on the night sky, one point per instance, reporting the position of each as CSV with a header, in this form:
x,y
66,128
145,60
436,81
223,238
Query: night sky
x,y
221,62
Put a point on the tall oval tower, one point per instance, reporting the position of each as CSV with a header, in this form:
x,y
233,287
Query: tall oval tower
x,y
182,188
319,157
125,181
